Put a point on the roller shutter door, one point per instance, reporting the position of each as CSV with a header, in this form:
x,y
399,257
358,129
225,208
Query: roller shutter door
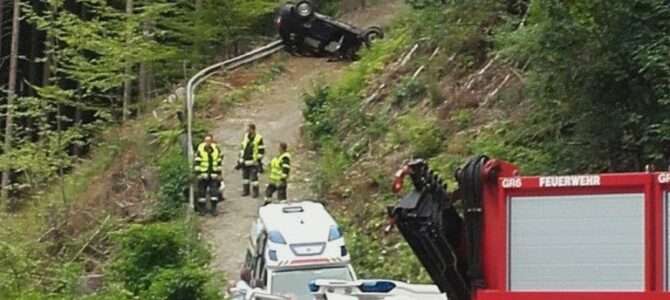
x,y
576,243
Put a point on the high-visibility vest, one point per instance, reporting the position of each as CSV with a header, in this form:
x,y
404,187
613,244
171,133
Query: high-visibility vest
x,y
277,166
206,162
256,150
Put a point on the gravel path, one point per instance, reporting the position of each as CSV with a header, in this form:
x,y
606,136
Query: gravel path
x,y
277,113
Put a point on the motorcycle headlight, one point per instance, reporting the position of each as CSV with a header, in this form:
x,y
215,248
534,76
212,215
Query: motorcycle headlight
x,y
304,9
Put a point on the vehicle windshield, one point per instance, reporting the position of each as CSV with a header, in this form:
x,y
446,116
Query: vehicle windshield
x,y
294,284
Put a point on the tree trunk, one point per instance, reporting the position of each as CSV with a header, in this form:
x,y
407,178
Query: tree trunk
x,y
49,59
11,95
2,22
33,65
126,85
142,85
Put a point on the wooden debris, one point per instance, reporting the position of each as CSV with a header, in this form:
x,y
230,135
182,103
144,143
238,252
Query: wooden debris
x,y
409,55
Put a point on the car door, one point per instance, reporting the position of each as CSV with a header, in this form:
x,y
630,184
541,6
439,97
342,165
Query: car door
x,y
259,262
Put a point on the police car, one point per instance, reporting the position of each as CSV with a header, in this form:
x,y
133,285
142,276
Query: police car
x,y
291,245
372,290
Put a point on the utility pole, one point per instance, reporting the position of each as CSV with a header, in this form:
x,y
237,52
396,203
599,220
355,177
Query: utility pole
x,y
11,95
126,85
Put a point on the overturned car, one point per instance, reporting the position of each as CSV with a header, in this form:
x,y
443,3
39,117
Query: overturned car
x,y
306,32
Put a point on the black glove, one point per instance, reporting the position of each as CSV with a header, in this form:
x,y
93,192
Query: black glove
x,y
238,166
260,167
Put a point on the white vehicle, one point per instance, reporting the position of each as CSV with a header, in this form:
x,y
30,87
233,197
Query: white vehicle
x,y
291,245
373,290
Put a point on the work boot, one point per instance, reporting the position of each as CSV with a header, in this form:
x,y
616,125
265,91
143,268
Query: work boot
x,y
201,208
213,211
256,192
245,190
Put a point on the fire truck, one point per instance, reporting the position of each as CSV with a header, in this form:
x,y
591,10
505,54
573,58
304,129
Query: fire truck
x,y
503,236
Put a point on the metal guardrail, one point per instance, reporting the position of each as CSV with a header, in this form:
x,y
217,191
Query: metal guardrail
x,y
204,74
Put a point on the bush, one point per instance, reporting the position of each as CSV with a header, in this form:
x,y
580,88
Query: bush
x,y
145,250
409,91
185,283
599,80
502,142
174,180
332,164
421,134
317,124
15,272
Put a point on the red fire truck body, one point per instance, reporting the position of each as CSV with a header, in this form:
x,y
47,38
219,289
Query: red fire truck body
x,y
583,237
600,237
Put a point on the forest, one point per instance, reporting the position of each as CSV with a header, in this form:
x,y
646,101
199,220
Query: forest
x,y
71,68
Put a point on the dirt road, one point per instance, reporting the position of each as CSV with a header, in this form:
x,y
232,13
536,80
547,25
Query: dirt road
x,y
277,113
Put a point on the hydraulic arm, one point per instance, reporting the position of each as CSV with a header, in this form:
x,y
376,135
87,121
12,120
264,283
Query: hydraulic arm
x,y
446,242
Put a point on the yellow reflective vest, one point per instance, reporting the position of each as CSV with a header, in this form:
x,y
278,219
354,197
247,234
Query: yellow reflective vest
x,y
208,162
280,167
257,151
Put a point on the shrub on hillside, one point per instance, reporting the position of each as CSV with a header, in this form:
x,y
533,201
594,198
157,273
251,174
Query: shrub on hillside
x,y
144,251
15,271
419,133
409,91
332,164
174,180
189,282
317,123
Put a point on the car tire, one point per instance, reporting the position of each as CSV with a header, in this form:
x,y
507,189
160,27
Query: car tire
x,y
311,5
372,34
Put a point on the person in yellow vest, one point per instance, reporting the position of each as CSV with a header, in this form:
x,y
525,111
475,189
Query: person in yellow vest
x,y
251,161
280,169
208,162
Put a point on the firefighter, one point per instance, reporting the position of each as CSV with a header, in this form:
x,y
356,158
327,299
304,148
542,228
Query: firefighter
x,y
280,169
251,161
207,165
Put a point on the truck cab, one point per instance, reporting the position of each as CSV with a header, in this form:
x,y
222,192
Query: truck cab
x,y
290,245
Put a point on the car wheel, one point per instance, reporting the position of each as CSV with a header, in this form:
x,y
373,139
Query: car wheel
x,y
372,34
304,9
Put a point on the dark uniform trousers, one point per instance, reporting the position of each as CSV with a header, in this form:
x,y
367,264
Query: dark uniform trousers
x,y
280,189
250,178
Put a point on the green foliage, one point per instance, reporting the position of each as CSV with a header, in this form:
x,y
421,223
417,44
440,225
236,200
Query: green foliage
x,y
372,63
189,282
409,91
333,112
317,122
16,271
147,251
462,118
446,26
598,73
373,253
173,169
418,132
421,4
215,25
502,140
332,163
